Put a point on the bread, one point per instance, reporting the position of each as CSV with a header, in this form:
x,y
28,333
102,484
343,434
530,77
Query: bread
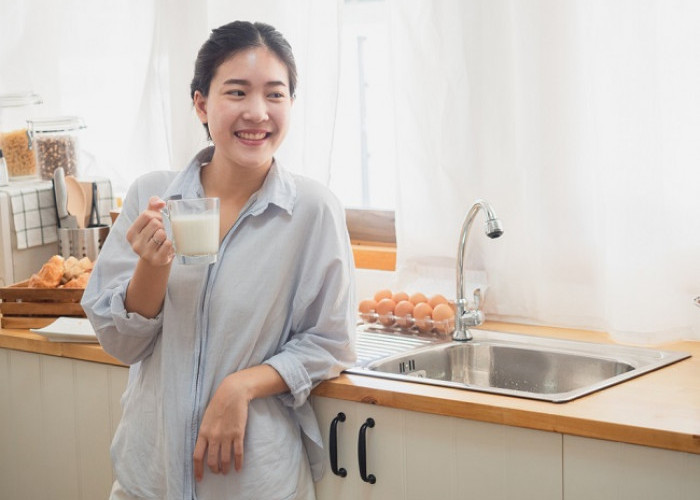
x,y
50,274
78,282
74,267
62,273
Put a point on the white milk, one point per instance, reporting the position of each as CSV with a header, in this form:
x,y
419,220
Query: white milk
x,y
196,234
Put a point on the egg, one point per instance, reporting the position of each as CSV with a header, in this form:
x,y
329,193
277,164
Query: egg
x,y
422,313
443,318
399,296
383,294
385,309
367,309
403,312
437,299
417,298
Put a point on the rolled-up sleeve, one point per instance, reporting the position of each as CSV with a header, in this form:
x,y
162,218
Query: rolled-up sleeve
x,y
322,343
129,337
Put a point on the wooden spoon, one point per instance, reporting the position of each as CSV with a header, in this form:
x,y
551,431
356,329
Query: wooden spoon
x,y
87,190
76,200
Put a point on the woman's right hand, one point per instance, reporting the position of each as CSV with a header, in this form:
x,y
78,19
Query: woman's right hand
x,y
147,235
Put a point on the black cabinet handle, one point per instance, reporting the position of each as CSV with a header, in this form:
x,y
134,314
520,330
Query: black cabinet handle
x,y
362,452
334,446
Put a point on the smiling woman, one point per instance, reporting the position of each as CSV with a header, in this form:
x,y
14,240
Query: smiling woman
x,y
237,433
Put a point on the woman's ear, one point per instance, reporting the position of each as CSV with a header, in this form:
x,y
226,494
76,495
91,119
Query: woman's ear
x,y
200,106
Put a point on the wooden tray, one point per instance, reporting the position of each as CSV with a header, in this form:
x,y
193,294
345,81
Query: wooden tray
x,y
24,307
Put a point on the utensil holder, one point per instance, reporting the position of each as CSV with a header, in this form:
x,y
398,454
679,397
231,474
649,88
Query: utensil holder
x,y
82,242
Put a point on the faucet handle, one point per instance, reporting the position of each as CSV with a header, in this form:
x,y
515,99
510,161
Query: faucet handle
x,y
472,315
468,315
477,298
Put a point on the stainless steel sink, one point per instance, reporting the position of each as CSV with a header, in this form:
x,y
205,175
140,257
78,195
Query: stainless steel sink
x,y
505,363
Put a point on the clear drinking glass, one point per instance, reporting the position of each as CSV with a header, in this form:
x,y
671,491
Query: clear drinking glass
x,y
195,229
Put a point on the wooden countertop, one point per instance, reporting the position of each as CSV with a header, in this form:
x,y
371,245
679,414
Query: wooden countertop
x,y
24,340
659,409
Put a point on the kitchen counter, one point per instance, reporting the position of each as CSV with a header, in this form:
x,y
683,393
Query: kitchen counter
x,y
25,340
659,409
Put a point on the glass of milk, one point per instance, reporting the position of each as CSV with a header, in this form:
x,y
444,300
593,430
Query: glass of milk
x,y
195,228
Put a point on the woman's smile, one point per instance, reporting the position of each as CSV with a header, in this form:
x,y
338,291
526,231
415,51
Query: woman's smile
x,y
252,137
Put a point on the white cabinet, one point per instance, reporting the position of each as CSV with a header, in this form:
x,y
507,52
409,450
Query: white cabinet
x,y
57,418
415,456
58,415
607,470
384,446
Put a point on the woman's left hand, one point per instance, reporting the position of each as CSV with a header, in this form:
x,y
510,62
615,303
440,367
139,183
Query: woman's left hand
x,y
222,430
223,426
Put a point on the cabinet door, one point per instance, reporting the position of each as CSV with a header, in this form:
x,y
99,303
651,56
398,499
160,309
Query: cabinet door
x,y
607,470
448,457
57,418
384,451
417,456
332,486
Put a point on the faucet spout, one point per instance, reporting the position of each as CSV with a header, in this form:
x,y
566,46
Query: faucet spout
x,y
467,316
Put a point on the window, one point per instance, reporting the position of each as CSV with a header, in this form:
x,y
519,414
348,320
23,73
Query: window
x,y
364,174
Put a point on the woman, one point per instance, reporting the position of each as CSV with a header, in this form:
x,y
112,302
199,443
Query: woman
x,y
223,356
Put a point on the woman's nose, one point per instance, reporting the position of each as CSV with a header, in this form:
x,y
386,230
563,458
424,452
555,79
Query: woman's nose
x,y
256,109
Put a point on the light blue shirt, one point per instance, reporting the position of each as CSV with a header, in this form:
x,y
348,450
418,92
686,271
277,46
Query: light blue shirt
x,y
280,293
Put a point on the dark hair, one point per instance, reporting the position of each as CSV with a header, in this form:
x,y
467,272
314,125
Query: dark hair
x,y
230,38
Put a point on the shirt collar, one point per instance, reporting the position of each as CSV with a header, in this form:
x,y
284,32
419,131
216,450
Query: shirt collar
x,y
278,187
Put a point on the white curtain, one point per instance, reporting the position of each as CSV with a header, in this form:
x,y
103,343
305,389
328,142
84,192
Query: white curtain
x,y
579,121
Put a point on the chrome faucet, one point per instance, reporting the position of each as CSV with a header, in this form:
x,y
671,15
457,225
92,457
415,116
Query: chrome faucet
x,y
466,316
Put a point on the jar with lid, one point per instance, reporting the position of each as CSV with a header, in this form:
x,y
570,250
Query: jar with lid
x,y
15,110
55,142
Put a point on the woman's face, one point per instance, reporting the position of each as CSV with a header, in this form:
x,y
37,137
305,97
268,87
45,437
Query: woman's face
x,y
248,107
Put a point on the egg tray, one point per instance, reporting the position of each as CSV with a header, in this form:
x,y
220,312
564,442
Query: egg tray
x,y
408,324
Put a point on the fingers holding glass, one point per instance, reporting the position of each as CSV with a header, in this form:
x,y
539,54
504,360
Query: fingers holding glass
x,y
149,240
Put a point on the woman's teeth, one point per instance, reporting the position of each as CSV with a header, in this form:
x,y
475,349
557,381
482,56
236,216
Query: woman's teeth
x,y
251,136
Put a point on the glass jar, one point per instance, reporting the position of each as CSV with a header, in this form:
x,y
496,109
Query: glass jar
x,y
15,110
55,142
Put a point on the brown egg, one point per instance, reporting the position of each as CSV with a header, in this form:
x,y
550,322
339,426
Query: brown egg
x,y
367,309
423,316
385,309
399,296
403,312
437,299
417,298
383,294
443,318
